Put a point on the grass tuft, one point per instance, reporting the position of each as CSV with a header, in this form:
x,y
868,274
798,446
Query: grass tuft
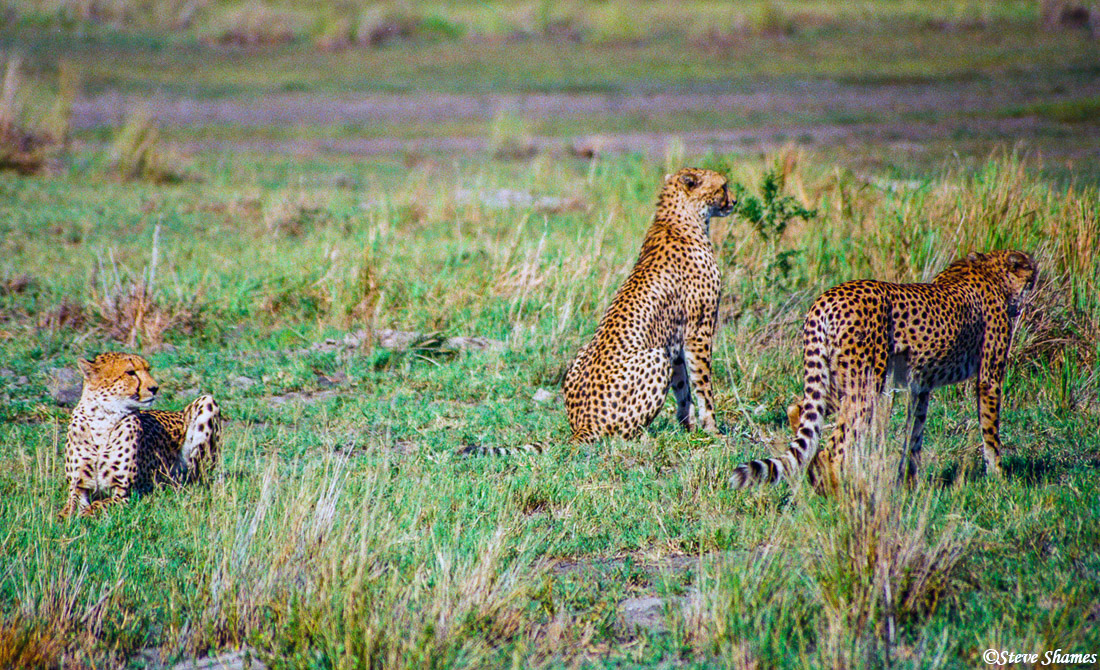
x,y
292,215
138,154
130,310
380,26
255,23
24,148
27,644
510,138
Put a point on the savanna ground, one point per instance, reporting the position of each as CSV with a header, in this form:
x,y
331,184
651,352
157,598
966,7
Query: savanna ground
x,y
256,197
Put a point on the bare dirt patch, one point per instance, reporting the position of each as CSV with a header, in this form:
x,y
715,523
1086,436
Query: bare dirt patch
x,y
902,116
819,96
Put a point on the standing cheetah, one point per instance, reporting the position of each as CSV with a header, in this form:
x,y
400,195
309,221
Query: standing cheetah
x,y
659,329
921,336
114,445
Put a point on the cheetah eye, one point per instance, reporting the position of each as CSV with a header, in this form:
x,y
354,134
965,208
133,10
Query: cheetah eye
x,y
132,373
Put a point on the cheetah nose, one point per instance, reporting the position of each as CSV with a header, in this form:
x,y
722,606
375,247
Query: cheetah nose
x,y
153,390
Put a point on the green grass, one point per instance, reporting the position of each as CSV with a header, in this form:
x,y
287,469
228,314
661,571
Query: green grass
x,y
341,532
1068,111
605,21
865,54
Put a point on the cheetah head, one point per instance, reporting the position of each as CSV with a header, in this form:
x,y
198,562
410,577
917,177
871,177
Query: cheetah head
x,y
1022,272
119,382
1016,271
706,191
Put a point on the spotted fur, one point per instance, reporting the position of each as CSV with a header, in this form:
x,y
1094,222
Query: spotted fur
x,y
659,330
116,446
861,334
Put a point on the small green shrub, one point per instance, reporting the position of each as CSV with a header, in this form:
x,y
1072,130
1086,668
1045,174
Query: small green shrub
x,y
769,215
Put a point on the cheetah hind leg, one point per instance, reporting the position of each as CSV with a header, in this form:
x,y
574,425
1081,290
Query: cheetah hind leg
x,y
847,442
918,414
199,451
681,388
647,375
794,415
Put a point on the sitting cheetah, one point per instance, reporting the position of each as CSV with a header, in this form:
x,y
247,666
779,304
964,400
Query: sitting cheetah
x,y
114,445
921,336
659,328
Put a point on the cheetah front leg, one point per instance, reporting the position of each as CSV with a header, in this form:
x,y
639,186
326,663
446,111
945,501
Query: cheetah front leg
x,y
991,374
120,481
918,414
77,500
697,354
118,464
120,495
80,471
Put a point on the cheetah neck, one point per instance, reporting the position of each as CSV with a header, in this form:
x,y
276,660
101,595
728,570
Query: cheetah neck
x,y
100,415
676,211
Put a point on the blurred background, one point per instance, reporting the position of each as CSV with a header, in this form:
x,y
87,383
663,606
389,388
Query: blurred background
x,y
897,84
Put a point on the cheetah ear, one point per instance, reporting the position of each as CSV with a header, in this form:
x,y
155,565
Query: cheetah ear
x,y
1018,260
85,366
973,257
689,180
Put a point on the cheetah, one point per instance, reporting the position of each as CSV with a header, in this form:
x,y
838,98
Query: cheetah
x,y
659,330
860,334
115,444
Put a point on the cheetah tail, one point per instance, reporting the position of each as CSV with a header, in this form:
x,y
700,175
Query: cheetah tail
x,y
808,416
771,470
481,450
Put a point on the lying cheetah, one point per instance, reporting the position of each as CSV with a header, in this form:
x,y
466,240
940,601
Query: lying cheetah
x,y
921,336
659,329
115,446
